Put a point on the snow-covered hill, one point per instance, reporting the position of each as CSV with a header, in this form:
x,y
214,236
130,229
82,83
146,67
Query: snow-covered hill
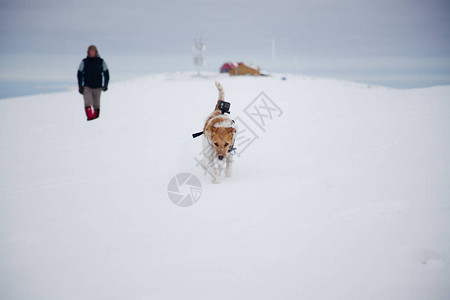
x,y
342,194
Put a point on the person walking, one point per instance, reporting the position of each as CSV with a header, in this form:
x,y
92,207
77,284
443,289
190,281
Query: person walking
x,y
93,78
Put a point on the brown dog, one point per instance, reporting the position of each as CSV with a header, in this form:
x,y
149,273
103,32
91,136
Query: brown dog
x,y
219,135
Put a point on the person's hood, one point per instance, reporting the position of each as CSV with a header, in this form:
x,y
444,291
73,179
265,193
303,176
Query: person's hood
x,y
92,47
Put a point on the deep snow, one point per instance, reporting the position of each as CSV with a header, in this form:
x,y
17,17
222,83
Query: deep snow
x,y
344,196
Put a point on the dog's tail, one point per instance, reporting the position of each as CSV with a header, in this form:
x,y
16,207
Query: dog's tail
x,y
221,94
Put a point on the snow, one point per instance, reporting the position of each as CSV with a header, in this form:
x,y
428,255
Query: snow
x,y
345,195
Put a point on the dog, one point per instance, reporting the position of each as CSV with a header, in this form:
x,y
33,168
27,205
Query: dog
x,y
218,140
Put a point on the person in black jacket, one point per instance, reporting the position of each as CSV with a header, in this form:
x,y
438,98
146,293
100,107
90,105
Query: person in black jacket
x,y
93,78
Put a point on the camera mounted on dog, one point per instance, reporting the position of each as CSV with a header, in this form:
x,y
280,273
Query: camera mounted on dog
x,y
224,107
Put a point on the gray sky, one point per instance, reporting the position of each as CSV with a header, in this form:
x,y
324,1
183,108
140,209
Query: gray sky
x,y
399,33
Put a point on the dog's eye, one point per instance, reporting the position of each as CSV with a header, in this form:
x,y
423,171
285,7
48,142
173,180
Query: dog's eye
x,y
226,144
217,144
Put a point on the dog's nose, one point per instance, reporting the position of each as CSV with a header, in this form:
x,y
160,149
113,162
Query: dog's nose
x,y
220,157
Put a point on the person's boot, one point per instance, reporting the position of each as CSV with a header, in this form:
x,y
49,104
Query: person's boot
x,y
89,113
96,113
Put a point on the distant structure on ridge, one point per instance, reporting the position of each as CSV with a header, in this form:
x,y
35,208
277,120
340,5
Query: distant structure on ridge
x,y
240,69
198,50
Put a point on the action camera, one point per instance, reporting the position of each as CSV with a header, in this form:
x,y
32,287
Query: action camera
x,y
224,107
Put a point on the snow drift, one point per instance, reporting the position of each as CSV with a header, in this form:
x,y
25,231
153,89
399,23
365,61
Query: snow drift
x,y
345,195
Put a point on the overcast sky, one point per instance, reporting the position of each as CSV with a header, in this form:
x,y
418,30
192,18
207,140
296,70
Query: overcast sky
x,y
412,32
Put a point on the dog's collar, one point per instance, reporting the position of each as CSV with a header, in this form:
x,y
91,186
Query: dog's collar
x,y
232,150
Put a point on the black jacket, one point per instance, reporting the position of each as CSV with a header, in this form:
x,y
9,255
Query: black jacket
x,y
90,73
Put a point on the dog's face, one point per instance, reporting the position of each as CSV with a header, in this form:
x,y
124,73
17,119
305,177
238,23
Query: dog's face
x,y
222,140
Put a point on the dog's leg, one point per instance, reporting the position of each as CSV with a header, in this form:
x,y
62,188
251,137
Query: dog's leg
x,y
220,168
208,162
229,164
213,169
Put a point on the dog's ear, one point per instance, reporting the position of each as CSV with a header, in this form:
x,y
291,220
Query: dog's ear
x,y
231,129
213,129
